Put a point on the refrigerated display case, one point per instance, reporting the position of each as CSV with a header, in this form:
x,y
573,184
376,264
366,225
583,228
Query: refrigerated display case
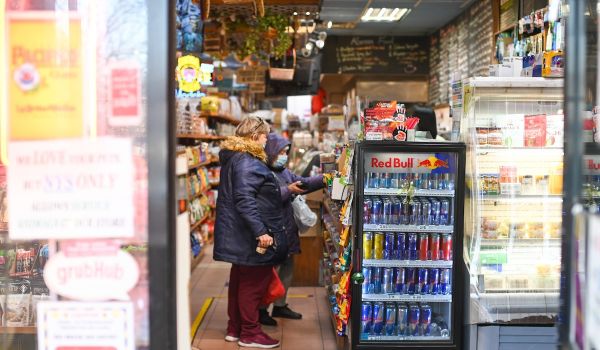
x,y
513,213
408,220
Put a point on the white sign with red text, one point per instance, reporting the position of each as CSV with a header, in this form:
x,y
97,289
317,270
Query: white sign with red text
x,y
591,165
71,189
404,163
85,326
84,270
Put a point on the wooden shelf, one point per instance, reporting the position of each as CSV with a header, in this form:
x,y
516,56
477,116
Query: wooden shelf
x,y
223,117
199,165
199,194
200,222
18,330
201,137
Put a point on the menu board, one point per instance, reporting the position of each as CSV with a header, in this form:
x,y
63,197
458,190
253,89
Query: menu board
x,y
377,55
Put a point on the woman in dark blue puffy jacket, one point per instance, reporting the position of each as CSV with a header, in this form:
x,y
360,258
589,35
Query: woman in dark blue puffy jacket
x,y
249,229
277,150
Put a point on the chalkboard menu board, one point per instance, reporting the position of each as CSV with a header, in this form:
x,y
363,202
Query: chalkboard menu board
x,y
376,55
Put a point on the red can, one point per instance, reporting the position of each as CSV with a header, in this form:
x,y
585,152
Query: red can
x,y
434,246
423,246
446,247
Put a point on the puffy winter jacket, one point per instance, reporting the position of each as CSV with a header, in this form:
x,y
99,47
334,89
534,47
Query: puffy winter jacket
x,y
248,206
276,143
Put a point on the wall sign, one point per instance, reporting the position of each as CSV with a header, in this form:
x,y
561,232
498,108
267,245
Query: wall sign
x,y
377,55
188,73
71,189
87,326
43,90
125,94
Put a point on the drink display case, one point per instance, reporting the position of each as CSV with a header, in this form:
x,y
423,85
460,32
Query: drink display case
x,y
513,213
408,221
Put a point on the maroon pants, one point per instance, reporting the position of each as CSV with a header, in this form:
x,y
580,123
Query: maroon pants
x,y
247,286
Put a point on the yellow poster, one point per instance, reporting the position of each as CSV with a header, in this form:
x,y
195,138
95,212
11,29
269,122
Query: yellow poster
x,y
44,81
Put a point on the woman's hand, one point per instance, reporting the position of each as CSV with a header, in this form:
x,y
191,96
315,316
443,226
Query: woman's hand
x,y
265,241
294,187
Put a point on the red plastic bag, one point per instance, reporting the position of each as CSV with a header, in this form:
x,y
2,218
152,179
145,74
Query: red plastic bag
x,y
275,290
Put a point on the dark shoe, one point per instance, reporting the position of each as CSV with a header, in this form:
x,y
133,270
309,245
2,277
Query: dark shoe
x,y
265,319
261,341
285,312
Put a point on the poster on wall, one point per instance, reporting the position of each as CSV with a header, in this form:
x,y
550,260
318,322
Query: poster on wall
x,y
43,92
90,326
71,189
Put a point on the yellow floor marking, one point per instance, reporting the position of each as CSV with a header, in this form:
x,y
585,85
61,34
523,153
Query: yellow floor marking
x,y
200,317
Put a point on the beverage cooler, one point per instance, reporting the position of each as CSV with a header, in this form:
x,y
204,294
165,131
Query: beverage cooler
x,y
409,223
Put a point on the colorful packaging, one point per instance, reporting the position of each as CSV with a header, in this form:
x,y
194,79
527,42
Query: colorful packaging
x,y
555,130
390,318
535,130
512,129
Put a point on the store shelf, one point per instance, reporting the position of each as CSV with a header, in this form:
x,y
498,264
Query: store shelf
x,y
331,315
408,298
200,222
404,338
521,242
408,228
197,195
539,199
201,137
516,82
222,117
495,149
18,330
401,192
199,165
408,263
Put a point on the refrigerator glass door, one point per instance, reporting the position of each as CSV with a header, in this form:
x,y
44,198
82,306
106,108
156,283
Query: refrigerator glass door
x,y
407,237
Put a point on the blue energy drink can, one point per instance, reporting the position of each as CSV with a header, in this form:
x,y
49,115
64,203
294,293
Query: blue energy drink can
x,y
400,246
377,211
414,320
389,253
387,285
373,179
425,321
384,180
387,212
434,281
445,282
366,317
411,280
378,318
367,286
400,280
424,183
416,212
394,180
391,312
376,279
426,208
396,211
411,246
435,211
422,280
444,212
402,320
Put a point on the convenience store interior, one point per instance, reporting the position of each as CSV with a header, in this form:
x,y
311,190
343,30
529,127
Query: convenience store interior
x,y
440,126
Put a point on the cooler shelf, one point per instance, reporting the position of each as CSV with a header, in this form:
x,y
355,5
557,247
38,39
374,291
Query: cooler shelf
x,y
408,263
408,228
404,338
403,192
408,298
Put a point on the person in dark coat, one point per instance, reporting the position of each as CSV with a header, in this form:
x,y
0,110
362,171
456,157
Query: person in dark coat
x,y
250,230
291,185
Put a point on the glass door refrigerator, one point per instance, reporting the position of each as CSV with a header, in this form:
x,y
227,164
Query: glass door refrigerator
x,y
409,288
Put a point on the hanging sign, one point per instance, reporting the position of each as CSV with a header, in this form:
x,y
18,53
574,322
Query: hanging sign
x,y
85,326
71,189
188,73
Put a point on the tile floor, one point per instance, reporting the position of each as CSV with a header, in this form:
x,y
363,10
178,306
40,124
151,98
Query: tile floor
x,y
313,332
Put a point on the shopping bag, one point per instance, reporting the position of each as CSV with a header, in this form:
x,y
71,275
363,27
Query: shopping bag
x,y
304,216
275,290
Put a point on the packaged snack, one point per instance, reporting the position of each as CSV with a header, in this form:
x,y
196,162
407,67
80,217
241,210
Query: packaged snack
x,y
535,130
555,125
512,128
18,303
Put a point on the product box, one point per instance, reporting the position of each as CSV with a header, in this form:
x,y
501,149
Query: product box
x,y
535,130
494,70
554,66
512,127
489,184
511,67
555,125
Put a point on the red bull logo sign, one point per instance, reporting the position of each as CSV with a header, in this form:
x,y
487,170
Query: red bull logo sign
x,y
433,163
392,163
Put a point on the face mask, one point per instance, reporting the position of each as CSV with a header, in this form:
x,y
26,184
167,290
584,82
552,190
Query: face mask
x,y
281,161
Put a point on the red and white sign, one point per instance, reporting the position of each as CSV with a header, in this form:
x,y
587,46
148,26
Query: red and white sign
x,y
85,326
402,163
591,165
124,94
92,277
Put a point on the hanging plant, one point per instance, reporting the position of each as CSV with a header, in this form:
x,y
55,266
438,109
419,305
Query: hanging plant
x,y
248,36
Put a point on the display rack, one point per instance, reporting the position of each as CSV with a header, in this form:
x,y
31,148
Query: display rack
x,y
514,131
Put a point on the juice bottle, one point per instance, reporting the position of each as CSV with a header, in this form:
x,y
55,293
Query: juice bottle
x,y
556,180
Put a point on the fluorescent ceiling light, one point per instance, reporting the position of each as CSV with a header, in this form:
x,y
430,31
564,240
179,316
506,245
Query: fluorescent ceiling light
x,y
384,14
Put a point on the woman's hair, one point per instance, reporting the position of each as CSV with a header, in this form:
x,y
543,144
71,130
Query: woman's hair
x,y
252,126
